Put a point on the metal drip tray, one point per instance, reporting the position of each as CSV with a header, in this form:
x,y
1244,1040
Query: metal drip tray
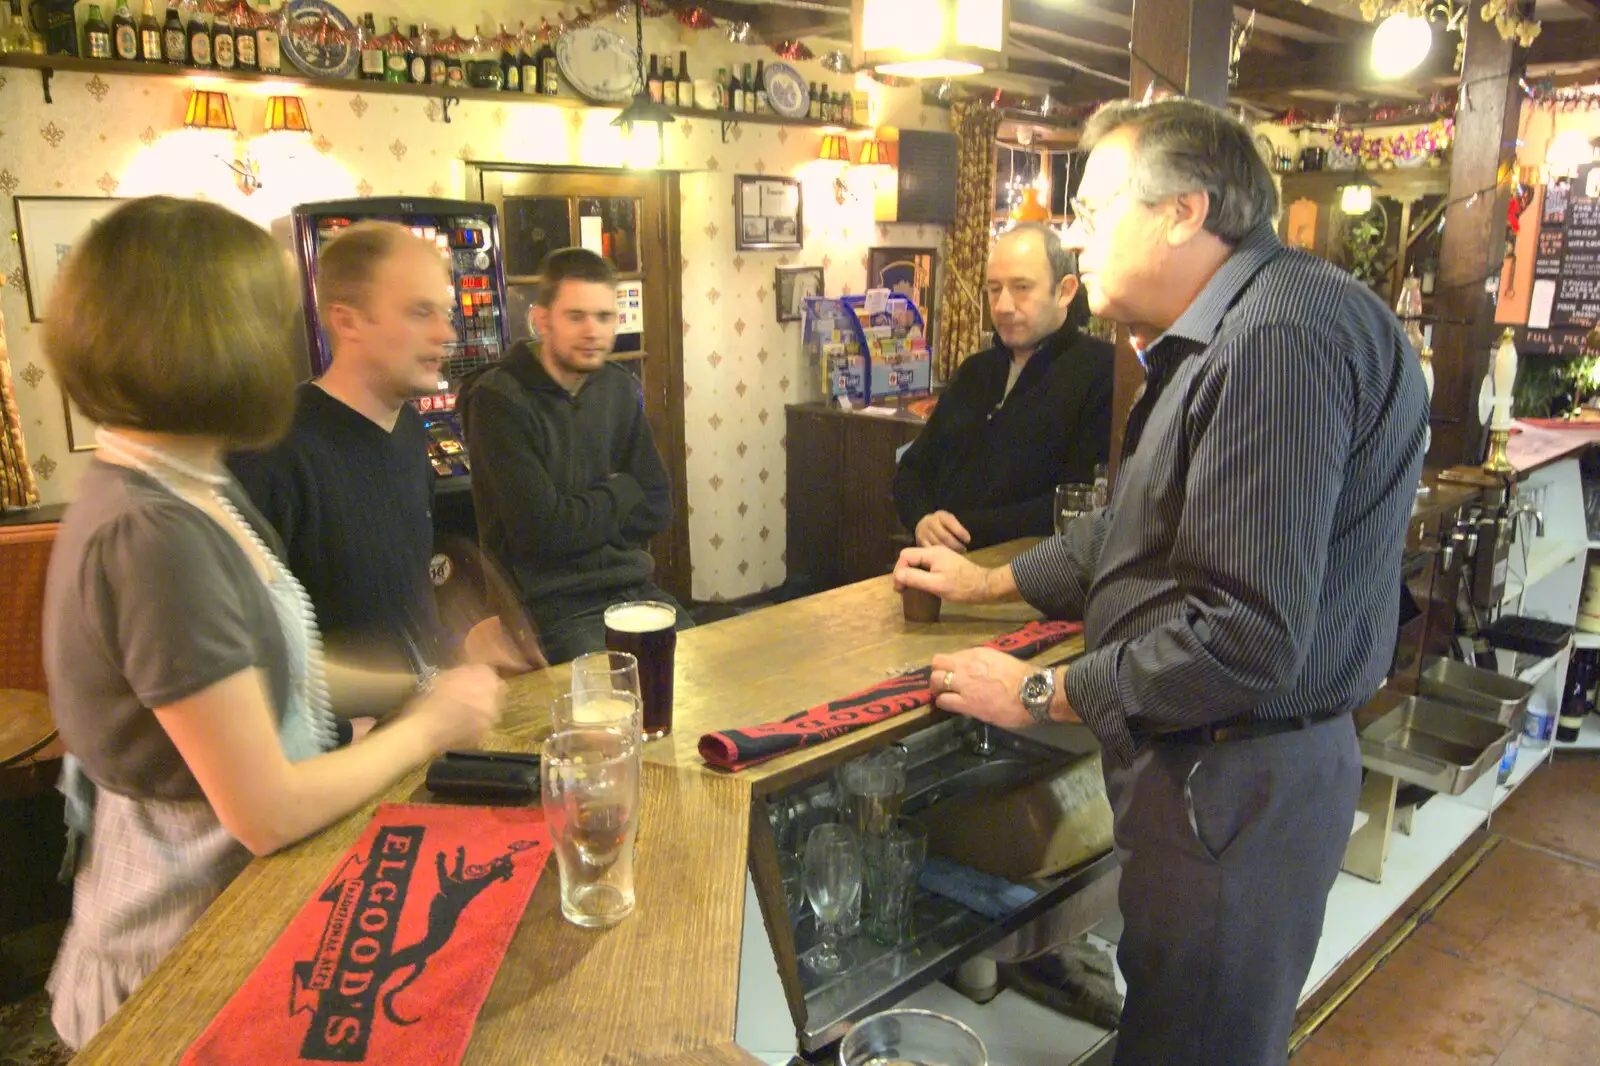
x,y
1482,692
1439,747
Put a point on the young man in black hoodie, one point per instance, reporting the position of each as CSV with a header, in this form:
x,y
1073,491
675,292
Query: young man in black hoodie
x,y
1017,419
566,479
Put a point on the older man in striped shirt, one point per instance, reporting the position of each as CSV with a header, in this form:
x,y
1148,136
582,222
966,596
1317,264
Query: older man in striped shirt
x,y
1240,591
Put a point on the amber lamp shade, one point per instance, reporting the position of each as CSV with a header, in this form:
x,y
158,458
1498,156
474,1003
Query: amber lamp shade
x,y
209,111
834,149
287,114
874,153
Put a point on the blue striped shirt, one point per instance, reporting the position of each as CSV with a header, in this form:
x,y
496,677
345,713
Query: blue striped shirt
x,y
1249,561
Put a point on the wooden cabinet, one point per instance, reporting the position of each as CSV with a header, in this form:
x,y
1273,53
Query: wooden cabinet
x,y
842,525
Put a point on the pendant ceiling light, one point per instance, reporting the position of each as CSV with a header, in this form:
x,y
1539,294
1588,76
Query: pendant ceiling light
x,y
929,38
643,119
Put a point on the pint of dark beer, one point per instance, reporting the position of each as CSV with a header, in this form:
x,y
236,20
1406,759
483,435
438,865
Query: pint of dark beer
x,y
648,631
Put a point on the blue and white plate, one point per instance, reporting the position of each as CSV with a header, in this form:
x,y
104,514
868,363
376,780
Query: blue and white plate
x,y
315,60
599,64
787,92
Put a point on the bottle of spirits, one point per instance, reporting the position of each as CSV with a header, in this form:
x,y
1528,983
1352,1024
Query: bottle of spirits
x,y
510,66
719,99
685,85
396,64
17,37
371,50
761,87
1573,703
549,70
814,108
652,81
669,83
222,42
749,107
530,69
416,56
269,45
431,48
246,56
149,35
96,35
736,93
199,41
452,60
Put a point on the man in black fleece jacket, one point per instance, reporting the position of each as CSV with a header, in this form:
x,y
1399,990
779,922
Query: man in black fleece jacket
x,y
1018,418
566,480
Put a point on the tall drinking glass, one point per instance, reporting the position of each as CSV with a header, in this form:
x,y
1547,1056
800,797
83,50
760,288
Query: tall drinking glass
x,y
592,708
871,789
606,671
892,863
1071,502
647,630
591,789
833,887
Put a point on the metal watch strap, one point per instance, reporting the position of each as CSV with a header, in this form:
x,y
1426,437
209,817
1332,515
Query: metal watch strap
x,y
1041,685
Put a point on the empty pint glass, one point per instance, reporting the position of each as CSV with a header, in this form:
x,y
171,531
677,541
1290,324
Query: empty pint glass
x,y
647,630
591,790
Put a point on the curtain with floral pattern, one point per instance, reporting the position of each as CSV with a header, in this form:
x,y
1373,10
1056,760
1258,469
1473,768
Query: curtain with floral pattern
x,y
17,488
961,301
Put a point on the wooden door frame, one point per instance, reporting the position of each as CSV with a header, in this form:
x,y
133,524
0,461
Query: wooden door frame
x,y
677,576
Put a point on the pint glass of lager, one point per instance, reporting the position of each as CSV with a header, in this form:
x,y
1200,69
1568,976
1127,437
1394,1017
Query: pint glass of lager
x,y
648,631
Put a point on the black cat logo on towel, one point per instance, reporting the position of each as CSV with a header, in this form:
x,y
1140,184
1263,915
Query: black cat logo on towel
x,y
343,984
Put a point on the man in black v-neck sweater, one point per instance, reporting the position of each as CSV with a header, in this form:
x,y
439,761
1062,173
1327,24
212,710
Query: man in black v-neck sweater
x,y
350,489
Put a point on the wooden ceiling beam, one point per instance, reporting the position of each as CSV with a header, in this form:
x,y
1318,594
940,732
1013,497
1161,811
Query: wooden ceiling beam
x,y
1303,15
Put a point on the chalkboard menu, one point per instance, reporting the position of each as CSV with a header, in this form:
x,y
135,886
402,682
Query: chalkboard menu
x,y
1565,301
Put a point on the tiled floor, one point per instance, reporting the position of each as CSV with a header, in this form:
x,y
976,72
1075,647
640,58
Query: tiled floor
x,y
1507,971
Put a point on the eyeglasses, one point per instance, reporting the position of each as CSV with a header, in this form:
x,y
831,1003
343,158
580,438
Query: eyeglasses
x,y
1083,213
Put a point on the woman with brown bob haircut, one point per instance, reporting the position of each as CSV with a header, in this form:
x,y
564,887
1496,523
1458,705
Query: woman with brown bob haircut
x,y
185,669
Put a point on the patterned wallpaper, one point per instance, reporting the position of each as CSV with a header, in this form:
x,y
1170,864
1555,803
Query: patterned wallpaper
x,y
121,136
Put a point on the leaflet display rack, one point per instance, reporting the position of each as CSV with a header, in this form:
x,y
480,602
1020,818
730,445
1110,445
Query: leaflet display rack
x,y
865,358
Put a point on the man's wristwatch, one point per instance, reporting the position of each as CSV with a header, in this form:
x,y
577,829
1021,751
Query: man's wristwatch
x,y
1038,690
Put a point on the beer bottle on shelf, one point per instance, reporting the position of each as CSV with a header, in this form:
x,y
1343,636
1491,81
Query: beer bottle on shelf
x,y
199,41
761,87
1573,703
149,35
549,70
685,85
245,54
371,50
669,83
174,42
848,117
652,81
720,101
25,37
396,65
530,69
452,60
736,93
124,34
269,45
222,42
416,56
96,35
814,108
749,107
510,67
432,46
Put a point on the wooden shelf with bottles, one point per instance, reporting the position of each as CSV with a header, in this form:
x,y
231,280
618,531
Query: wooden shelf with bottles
x,y
730,119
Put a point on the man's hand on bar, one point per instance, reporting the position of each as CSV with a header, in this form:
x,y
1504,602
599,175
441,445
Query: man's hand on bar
x,y
986,684
948,575
942,529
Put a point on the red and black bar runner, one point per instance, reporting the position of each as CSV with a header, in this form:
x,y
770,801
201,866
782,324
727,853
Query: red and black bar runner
x,y
390,962
735,749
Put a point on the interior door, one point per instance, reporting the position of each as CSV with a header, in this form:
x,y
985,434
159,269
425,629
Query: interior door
x,y
631,219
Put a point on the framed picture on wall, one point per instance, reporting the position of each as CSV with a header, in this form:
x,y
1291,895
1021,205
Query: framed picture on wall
x,y
766,213
47,229
792,286
908,272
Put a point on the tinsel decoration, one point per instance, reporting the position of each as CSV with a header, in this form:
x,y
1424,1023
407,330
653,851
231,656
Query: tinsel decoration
x,y
838,62
1509,20
793,51
739,32
696,18
1574,98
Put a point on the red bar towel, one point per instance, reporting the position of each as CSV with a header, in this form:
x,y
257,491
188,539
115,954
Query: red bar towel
x,y
735,749
390,962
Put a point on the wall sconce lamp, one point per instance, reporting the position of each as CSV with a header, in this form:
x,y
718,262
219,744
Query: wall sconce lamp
x,y
874,153
642,112
287,114
214,111
1356,198
835,149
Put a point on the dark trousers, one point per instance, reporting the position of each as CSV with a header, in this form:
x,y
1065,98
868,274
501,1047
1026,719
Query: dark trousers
x,y
1228,852
581,627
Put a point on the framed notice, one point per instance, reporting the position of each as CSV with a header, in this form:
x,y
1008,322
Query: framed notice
x,y
793,286
47,229
766,213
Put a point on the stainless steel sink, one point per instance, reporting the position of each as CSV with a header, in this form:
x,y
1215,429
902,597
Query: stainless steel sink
x,y
1434,745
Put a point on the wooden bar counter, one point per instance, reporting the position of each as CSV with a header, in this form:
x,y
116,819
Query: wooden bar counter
x,y
661,987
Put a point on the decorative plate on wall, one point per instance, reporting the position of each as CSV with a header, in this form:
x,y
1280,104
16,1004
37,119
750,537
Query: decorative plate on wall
x,y
314,58
787,92
599,64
